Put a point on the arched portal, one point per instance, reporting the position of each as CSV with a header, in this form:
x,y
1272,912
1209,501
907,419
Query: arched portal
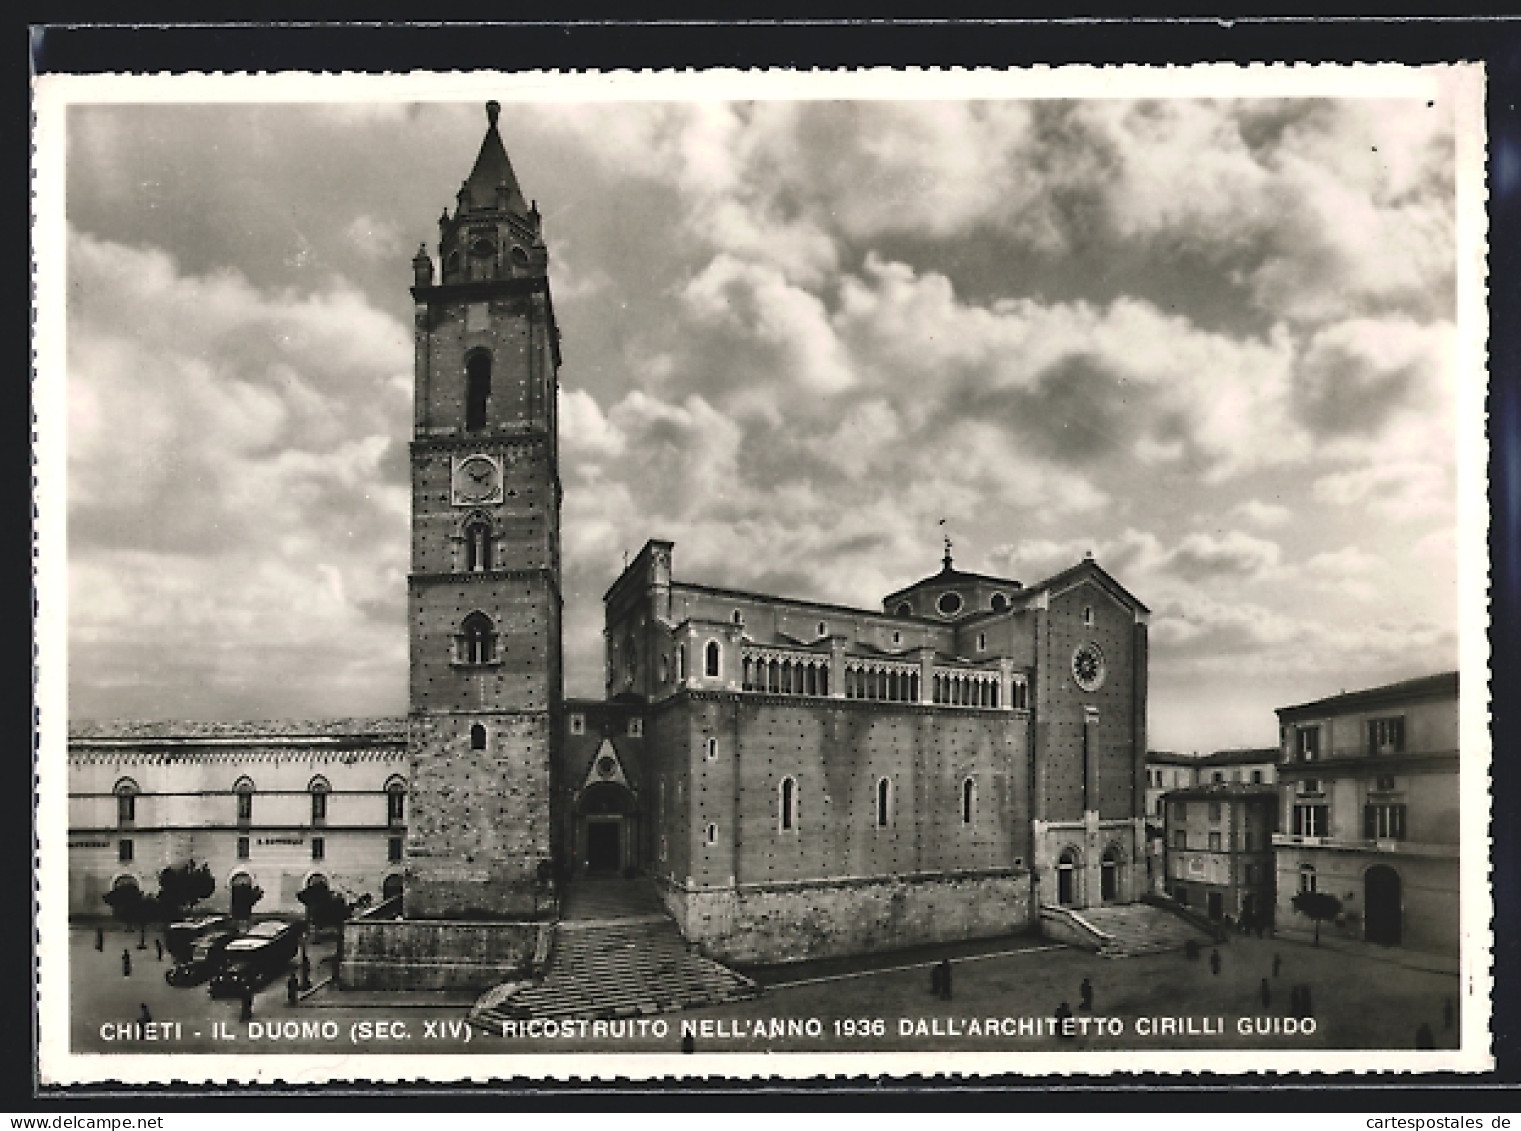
x,y
1383,915
606,833
1066,878
1109,875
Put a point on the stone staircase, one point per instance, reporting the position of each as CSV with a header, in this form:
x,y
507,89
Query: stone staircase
x,y
1122,930
616,954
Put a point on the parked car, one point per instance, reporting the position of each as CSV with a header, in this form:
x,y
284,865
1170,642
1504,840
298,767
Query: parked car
x,y
254,959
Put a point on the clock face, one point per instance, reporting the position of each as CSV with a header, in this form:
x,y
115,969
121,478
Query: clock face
x,y
1088,667
477,479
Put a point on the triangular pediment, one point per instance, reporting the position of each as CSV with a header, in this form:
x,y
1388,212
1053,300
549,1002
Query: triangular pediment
x,y
605,767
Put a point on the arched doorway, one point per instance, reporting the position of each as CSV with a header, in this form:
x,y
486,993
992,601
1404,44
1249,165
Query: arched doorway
x,y
392,886
1383,916
1109,875
606,828
1066,878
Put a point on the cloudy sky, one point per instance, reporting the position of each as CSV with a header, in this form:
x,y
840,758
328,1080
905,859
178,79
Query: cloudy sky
x,y
1211,341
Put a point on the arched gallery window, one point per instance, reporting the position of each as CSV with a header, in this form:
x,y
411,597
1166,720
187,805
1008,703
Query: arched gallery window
x,y
968,801
884,802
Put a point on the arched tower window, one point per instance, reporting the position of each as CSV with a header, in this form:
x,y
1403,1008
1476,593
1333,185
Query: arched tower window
x,y
478,636
884,802
787,804
477,390
477,737
968,801
126,801
319,789
477,545
710,659
681,662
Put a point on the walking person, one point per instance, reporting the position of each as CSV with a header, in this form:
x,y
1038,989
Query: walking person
x,y
158,945
143,1016
100,939
1214,962
1085,994
292,989
126,964
1063,1015
1277,965
945,979
306,971
246,1013
937,980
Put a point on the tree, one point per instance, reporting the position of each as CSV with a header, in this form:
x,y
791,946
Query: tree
x,y
132,907
244,896
1319,906
328,908
180,889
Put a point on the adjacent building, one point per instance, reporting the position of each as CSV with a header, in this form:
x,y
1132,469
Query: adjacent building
x,y
268,806
1219,853
1368,805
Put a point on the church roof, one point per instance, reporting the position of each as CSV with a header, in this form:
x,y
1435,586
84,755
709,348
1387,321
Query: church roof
x,y
492,168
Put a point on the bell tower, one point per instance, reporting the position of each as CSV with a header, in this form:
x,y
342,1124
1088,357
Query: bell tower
x,y
483,595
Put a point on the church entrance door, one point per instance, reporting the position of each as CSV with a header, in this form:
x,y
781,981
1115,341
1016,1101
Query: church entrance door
x,y
604,845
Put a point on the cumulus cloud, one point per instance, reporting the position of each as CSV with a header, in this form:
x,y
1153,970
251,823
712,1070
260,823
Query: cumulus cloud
x,y
228,473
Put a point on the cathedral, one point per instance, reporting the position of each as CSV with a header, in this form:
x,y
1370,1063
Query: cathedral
x,y
796,779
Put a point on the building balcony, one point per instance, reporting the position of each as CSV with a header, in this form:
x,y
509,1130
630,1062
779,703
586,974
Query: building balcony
x,y
1349,844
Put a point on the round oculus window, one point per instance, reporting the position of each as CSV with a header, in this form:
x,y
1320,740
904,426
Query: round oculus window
x,y
483,249
1088,666
605,766
949,604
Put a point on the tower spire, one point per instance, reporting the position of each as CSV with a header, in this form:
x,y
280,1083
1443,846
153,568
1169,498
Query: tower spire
x,y
492,185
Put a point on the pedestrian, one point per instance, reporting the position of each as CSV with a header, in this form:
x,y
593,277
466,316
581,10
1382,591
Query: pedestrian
x,y
306,971
100,939
246,1013
1277,965
1064,1015
1085,992
126,964
1447,1013
292,988
945,979
937,979
158,945
1267,993
1214,962
689,1043
143,1016
1424,1038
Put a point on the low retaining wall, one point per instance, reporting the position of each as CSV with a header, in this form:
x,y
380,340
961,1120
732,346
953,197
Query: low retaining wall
x,y
431,954
826,919
1063,926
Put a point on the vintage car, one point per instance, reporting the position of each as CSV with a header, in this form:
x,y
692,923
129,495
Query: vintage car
x,y
180,938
